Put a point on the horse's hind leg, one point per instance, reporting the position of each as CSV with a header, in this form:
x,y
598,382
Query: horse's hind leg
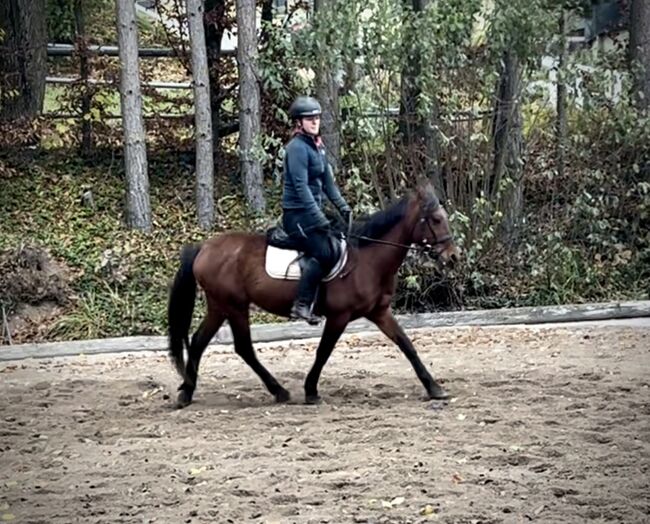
x,y
200,340
240,325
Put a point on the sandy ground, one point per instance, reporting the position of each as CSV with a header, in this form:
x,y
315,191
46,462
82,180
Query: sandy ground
x,y
546,425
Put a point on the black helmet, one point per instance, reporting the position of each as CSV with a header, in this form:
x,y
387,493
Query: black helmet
x,y
304,106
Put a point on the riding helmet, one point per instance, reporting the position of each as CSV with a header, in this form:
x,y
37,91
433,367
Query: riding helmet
x,y
304,106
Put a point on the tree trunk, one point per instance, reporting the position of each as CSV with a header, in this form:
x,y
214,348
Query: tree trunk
x,y
327,93
23,59
135,152
419,135
561,98
508,142
432,155
409,124
505,112
640,51
84,73
202,117
249,105
214,25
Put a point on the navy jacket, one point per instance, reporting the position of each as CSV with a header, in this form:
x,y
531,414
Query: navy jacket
x,y
307,176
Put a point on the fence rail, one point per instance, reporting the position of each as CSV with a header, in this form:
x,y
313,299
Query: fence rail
x,y
112,50
78,80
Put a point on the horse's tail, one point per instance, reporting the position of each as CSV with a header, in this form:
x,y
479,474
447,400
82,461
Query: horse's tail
x,y
181,307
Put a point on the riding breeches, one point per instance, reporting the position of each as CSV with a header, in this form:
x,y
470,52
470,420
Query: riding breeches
x,y
313,241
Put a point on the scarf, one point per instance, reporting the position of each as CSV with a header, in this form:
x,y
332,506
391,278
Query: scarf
x,y
299,131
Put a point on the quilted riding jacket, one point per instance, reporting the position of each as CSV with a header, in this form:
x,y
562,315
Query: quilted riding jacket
x,y
307,176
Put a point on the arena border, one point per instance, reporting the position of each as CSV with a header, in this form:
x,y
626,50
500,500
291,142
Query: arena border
x,y
280,332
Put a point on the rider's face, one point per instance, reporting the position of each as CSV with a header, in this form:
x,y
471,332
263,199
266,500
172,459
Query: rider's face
x,y
311,124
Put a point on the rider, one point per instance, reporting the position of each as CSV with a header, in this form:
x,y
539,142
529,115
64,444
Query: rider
x,y
307,175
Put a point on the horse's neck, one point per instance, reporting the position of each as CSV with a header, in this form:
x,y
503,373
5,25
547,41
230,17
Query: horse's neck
x,y
389,258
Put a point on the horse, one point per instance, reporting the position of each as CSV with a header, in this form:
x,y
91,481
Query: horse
x,y
230,269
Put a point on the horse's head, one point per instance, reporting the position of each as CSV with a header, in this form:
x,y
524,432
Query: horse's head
x,y
432,225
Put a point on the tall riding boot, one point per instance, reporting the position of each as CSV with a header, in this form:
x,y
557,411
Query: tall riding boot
x,y
309,281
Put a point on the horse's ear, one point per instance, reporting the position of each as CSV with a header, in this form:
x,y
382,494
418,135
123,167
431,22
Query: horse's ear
x,y
426,193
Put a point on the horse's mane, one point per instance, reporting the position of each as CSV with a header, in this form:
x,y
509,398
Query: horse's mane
x,y
379,223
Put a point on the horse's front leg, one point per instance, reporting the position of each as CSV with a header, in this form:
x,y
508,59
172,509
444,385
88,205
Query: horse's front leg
x,y
334,327
388,325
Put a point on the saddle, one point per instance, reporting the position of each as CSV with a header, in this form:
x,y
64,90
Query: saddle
x,y
284,260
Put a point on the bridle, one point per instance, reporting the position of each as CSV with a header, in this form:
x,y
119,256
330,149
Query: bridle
x,y
424,247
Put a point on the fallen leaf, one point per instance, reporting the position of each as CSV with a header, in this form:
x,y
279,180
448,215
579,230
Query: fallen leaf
x,y
397,501
461,416
456,478
151,393
6,517
386,504
427,510
197,471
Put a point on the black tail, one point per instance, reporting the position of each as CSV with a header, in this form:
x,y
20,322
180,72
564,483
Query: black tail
x,y
181,307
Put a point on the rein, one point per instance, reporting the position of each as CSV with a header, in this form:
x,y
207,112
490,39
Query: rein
x,y
389,243
426,248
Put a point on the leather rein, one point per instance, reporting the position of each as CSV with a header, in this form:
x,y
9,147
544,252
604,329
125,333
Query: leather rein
x,y
427,247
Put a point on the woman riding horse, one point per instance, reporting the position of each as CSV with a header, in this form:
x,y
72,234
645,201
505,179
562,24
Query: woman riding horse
x,y
230,269
307,175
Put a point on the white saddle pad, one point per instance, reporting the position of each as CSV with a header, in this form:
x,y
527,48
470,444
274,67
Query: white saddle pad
x,y
283,263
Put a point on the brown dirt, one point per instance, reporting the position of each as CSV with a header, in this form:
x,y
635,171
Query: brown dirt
x,y
34,288
547,425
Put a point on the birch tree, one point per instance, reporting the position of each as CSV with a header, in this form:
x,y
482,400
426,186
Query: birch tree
x,y
135,153
249,105
327,92
202,116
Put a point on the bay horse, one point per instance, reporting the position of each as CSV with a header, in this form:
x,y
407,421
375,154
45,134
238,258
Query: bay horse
x,y
230,268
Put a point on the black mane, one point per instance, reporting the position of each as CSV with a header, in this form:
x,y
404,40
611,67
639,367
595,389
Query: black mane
x,y
379,223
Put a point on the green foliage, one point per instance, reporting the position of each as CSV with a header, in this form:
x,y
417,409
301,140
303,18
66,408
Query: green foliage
x,y
99,20
120,277
522,26
60,21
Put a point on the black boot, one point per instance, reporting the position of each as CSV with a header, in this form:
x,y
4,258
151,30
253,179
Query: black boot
x,y
307,287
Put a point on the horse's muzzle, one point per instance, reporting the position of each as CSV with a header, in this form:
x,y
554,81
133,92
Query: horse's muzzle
x,y
448,254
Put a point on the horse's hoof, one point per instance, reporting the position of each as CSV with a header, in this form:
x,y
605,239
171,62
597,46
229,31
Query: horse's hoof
x,y
312,400
282,396
437,393
184,399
